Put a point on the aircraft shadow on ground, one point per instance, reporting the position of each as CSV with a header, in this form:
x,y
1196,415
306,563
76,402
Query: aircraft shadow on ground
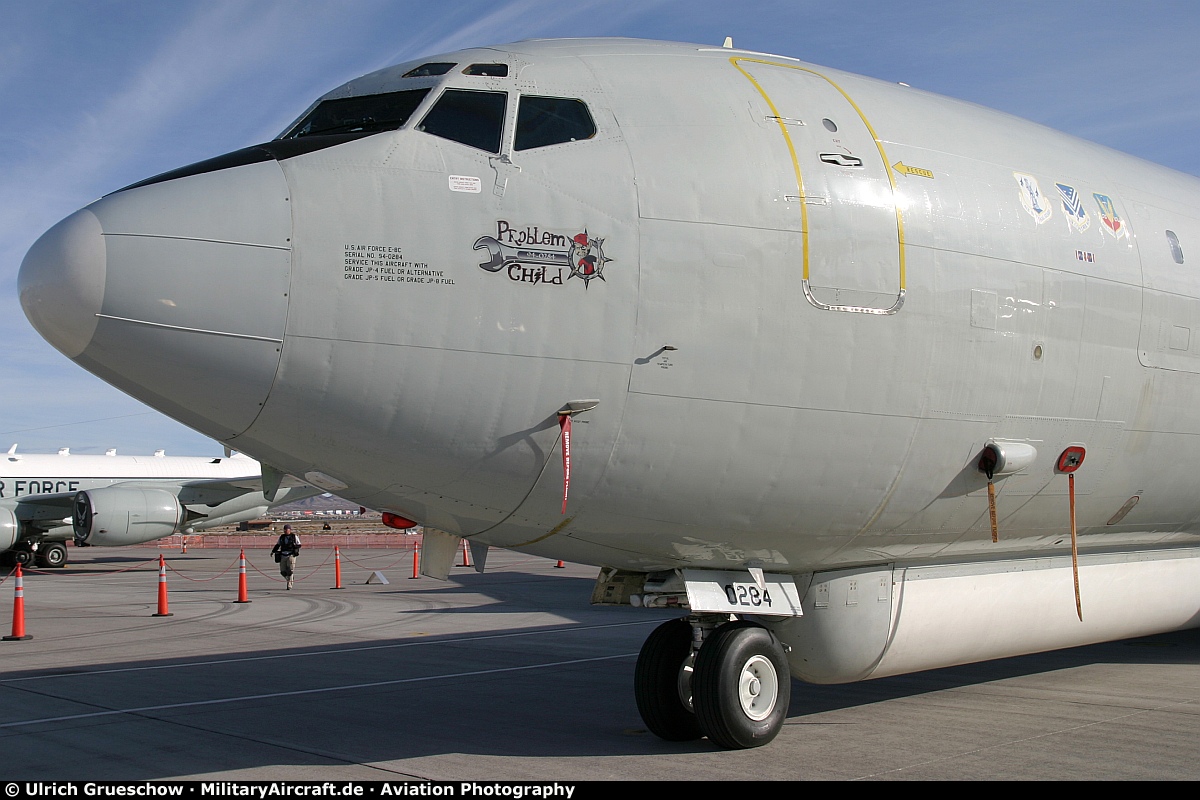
x,y
474,708
1181,647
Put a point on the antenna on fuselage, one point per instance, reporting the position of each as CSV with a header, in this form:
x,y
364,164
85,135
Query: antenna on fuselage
x,y
728,42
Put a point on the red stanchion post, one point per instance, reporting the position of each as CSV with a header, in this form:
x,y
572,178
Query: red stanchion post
x,y
18,626
337,568
162,588
466,556
183,541
242,594
416,559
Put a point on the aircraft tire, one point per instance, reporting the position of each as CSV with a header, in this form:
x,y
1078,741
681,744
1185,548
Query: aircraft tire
x,y
741,686
53,555
22,556
661,684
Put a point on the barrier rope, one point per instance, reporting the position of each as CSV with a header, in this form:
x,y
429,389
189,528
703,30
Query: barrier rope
x,y
328,556
408,557
153,561
203,580
254,567
385,554
405,557
294,577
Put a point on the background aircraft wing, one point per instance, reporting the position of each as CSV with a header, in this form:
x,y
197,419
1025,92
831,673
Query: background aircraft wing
x,y
45,511
213,491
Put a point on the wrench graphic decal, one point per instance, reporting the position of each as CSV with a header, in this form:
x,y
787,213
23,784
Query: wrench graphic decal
x,y
502,255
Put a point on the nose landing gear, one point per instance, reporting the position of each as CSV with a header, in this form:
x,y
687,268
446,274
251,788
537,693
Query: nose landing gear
x,y
735,689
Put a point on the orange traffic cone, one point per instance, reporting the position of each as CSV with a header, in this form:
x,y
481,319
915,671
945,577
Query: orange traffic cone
x,y
18,626
559,565
162,588
466,555
242,595
184,540
337,568
416,559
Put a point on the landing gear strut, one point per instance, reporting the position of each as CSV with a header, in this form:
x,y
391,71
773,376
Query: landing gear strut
x,y
735,689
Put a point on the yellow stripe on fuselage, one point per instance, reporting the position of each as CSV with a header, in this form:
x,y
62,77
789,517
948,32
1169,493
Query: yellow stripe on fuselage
x,y
796,161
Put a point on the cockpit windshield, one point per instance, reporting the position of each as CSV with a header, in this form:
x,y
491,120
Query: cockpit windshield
x,y
473,118
370,113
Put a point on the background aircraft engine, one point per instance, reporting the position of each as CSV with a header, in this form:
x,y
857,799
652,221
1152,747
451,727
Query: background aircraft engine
x,y
124,515
9,529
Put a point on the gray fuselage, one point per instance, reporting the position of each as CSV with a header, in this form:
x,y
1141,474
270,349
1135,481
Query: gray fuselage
x,y
813,299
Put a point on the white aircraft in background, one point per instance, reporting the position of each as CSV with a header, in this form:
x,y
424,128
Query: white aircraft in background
x,y
112,500
863,380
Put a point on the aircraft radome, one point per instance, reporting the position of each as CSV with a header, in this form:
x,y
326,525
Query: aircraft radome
x,y
804,332
112,500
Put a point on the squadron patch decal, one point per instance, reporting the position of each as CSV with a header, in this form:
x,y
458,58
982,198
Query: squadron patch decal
x,y
1072,202
1108,215
1032,199
534,256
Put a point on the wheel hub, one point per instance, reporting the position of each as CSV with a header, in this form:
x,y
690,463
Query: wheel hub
x,y
684,683
758,688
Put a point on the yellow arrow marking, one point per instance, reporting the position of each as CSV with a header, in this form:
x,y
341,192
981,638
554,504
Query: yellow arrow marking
x,y
904,169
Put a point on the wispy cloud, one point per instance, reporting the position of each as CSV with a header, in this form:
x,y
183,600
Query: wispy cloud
x,y
476,26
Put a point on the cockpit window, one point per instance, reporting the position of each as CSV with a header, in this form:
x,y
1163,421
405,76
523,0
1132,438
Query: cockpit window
x,y
473,118
430,69
490,70
370,113
1176,248
543,121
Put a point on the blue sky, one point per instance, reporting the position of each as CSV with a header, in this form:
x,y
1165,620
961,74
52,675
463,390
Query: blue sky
x,y
97,94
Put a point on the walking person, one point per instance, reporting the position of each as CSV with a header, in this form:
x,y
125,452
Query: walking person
x,y
285,551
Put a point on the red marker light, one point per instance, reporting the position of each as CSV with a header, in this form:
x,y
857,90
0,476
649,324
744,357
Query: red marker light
x,y
1071,459
397,521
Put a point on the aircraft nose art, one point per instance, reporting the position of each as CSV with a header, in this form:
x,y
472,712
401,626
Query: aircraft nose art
x,y
174,292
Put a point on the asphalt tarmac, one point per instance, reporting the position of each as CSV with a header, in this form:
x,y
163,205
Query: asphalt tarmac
x,y
506,675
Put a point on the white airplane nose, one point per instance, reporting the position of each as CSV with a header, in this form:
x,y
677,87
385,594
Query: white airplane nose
x,y
61,282
174,291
